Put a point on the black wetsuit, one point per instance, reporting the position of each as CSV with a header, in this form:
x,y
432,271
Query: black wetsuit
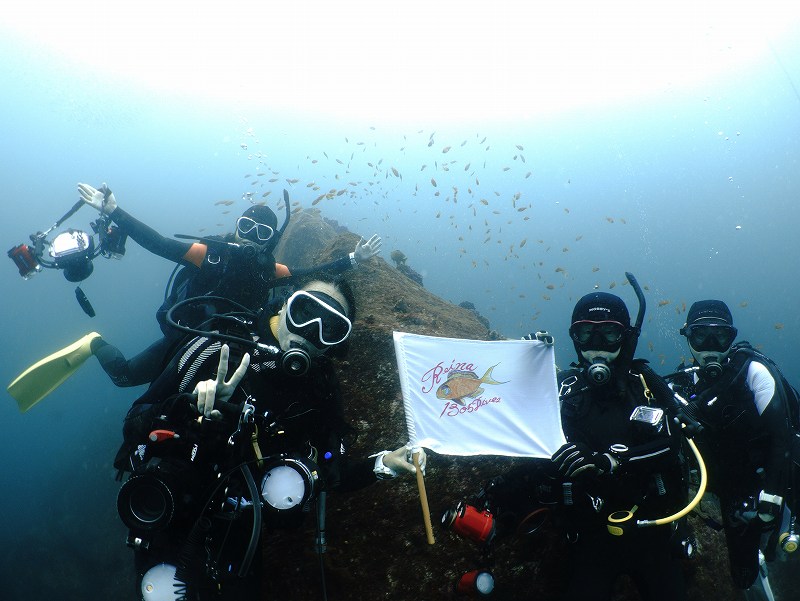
x,y
306,417
221,272
650,476
745,444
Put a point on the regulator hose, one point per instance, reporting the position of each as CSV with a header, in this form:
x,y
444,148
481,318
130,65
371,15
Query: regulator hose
x,y
693,503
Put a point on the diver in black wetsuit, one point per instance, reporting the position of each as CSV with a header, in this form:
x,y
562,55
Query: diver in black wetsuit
x,y
616,461
240,267
741,399
196,437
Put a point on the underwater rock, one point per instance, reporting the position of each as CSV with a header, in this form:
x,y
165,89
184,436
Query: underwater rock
x,y
471,307
305,238
376,543
410,273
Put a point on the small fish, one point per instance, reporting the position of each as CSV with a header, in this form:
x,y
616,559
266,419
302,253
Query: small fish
x,y
743,304
663,303
523,243
460,384
433,182
778,326
445,150
650,346
612,285
595,269
550,287
395,172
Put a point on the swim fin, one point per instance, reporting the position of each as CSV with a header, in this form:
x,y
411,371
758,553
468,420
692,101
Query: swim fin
x,y
44,376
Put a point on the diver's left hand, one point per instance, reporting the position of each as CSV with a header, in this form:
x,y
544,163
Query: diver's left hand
x,y
402,460
769,506
101,198
370,248
210,391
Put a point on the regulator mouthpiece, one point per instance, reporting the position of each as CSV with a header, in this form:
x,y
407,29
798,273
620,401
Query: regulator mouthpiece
x,y
296,362
599,372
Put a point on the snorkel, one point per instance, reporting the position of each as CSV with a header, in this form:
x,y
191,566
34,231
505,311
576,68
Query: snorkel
x,y
632,339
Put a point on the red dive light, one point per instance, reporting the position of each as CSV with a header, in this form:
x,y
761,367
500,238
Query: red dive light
x,y
476,584
466,520
26,262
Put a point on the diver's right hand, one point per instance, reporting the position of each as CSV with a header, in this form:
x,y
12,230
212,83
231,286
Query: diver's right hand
x,y
101,199
209,391
573,459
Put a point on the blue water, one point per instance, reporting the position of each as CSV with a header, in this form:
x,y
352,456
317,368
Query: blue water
x,y
694,190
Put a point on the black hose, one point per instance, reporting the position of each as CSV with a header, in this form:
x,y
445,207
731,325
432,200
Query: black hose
x,y
255,534
190,558
213,335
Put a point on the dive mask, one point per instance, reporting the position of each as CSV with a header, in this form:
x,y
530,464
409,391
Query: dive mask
x,y
249,229
597,335
317,317
714,338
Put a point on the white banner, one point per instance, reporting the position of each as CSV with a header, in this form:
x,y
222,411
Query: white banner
x,y
472,397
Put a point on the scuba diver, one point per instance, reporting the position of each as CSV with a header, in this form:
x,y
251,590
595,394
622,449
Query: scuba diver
x,y
239,266
622,458
749,416
214,458
617,488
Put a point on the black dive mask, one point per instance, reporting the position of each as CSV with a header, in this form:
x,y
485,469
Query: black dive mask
x,y
716,338
597,335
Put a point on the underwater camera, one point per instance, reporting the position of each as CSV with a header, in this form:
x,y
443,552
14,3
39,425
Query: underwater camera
x,y
71,251
147,501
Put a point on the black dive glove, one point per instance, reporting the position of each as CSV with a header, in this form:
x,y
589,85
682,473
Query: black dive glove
x,y
575,458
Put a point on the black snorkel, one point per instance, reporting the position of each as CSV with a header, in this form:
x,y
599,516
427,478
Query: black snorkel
x,y
632,339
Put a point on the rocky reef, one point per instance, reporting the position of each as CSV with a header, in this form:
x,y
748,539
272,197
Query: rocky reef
x,y
376,543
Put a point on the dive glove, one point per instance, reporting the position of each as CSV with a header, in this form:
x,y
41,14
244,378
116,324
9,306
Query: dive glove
x,y
769,506
575,458
101,199
389,463
208,392
365,250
